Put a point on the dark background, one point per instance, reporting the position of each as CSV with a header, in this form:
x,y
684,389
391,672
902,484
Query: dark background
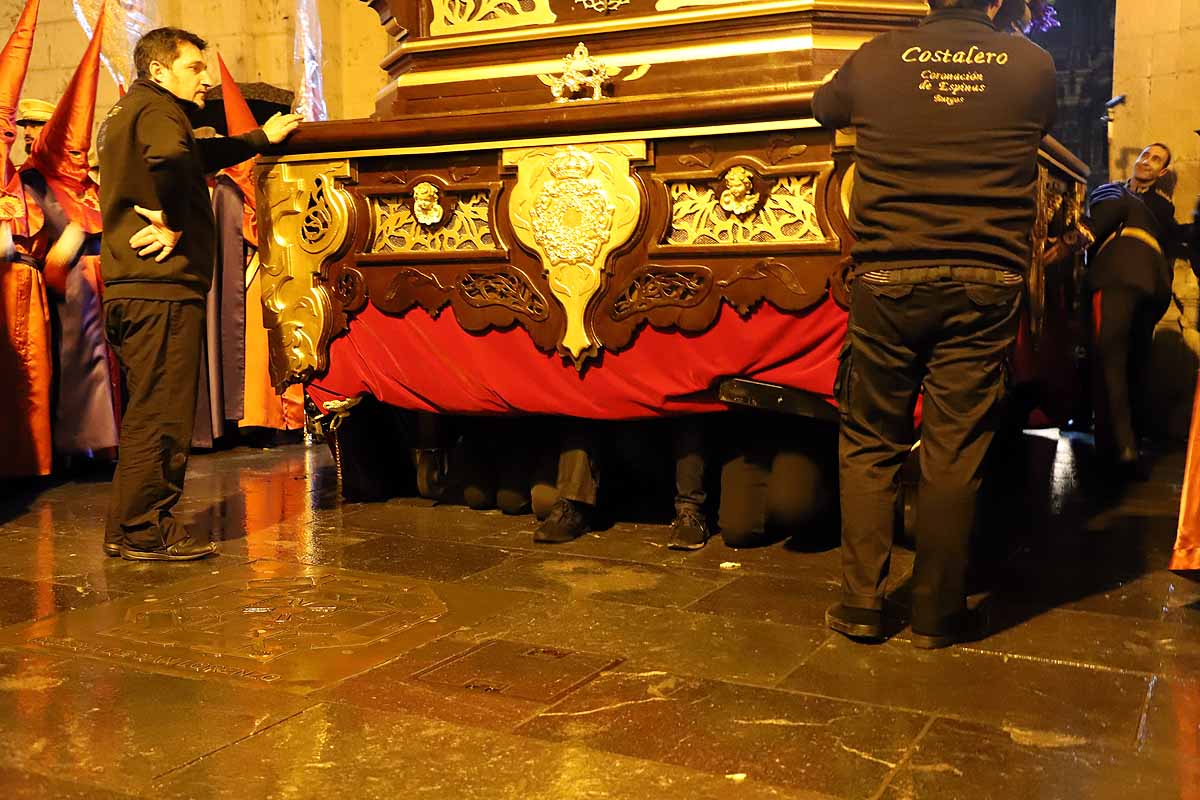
x,y
1083,52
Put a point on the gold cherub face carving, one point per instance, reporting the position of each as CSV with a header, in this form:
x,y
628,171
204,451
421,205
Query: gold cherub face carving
x,y
427,207
739,196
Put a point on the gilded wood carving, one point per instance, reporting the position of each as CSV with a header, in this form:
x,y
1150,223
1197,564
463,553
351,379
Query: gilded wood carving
x,y
572,206
308,223
399,227
584,244
472,16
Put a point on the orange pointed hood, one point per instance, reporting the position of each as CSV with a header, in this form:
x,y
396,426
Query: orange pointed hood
x,y
238,120
61,151
14,63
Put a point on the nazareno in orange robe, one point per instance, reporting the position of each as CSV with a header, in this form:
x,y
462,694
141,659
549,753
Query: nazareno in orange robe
x,y
26,369
1187,545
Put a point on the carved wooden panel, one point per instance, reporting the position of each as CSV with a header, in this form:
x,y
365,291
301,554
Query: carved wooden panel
x,y
581,245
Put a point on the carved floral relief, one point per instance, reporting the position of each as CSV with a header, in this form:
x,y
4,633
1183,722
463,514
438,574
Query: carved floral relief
x,y
400,229
473,16
701,215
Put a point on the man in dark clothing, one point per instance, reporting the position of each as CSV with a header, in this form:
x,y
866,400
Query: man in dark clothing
x,y
157,263
948,118
1131,279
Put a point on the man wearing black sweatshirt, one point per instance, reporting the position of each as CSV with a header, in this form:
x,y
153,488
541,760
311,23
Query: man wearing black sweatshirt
x,y
157,263
948,118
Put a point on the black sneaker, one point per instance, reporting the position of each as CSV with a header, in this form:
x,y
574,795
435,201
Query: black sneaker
x,y
689,531
857,623
186,549
566,522
112,549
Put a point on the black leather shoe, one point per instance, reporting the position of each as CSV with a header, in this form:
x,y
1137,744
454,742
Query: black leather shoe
x,y
112,549
187,549
857,623
566,522
689,531
949,631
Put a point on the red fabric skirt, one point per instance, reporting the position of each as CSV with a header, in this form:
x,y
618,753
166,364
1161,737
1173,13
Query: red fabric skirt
x,y
425,364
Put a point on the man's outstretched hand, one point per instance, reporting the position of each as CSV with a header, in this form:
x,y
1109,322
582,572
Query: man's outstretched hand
x,y
155,237
281,126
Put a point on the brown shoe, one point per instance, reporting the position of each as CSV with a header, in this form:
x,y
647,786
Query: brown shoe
x,y
112,549
187,549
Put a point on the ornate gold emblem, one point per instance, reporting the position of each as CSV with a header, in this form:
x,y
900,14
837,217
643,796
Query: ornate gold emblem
x,y
788,215
307,224
573,206
739,196
581,74
602,6
572,218
427,207
398,229
471,16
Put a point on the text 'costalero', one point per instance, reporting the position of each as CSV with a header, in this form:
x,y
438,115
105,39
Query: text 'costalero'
x,y
919,55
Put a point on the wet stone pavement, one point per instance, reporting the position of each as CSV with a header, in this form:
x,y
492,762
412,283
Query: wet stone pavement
x,y
404,649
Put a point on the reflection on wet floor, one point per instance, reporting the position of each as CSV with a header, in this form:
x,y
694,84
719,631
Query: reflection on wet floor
x,y
402,647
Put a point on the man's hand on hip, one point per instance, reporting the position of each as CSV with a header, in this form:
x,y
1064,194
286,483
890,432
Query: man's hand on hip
x,y
155,237
281,126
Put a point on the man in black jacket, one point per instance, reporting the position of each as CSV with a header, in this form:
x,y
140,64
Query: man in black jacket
x,y
1130,275
157,263
948,119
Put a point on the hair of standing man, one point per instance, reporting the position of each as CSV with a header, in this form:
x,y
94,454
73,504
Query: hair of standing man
x,y
162,45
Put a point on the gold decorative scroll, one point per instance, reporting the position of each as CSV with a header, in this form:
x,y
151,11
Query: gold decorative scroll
x,y
307,224
397,229
701,216
572,206
472,16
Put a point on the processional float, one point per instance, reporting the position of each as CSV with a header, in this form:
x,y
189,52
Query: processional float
x,y
598,208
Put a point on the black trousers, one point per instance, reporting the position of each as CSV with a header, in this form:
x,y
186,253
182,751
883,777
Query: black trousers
x,y
158,345
1127,317
950,337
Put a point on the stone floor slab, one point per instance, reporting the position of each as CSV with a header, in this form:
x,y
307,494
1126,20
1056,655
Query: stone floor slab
x,y
685,643
800,741
268,623
520,670
109,726
19,785
395,686
957,759
25,601
991,688
1103,641
419,558
400,755
603,579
